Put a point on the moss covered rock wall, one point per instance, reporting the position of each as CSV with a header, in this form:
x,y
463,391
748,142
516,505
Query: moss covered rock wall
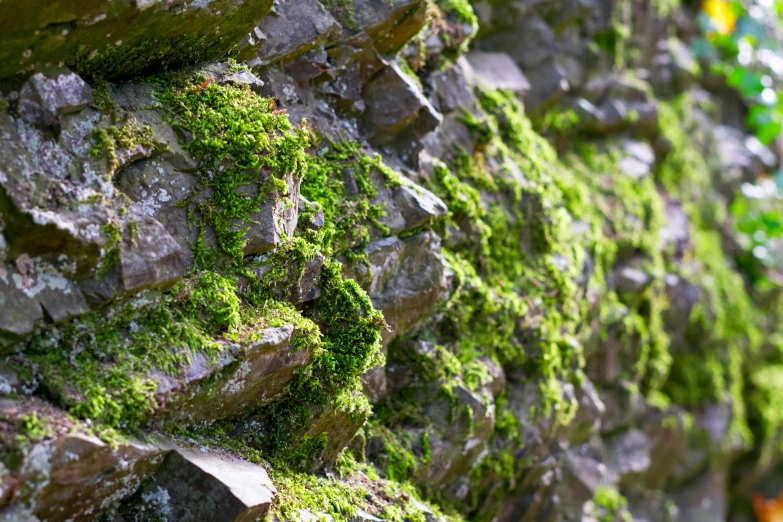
x,y
359,260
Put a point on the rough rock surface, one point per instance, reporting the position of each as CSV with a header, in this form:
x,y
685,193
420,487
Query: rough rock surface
x,y
474,216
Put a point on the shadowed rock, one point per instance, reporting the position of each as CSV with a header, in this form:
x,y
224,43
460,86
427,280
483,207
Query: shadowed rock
x,y
249,374
293,28
193,486
121,39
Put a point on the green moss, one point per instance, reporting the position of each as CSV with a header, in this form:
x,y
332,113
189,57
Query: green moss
x,y
108,140
684,171
349,217
246,150
343,11
723,337
101,367
32,428
611,505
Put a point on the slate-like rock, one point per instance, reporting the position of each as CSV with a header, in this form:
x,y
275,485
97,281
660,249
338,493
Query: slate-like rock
x,y
293,28
32,292
630,455
113,40
406,280
196,486
78,477
408,206
47,95
250,374
395,104
498,71
533,46
389,23
151,258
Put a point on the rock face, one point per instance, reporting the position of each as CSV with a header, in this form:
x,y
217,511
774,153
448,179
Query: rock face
x,y
499,225
195,486
122,40
246,376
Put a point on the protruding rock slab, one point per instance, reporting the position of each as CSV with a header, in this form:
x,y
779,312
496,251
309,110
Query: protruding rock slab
x,y
245,376
498,71
395,104
407,278
197,487
292,29
77,477
121,39
47,95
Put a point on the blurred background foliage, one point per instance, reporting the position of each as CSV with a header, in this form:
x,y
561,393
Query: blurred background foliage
x,y
742,41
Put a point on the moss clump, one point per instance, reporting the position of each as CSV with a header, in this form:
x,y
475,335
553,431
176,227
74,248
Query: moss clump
x,y
356,488
246,151
344,12
723,337
32,428
349,346
349,216
107,141
611,505
101,367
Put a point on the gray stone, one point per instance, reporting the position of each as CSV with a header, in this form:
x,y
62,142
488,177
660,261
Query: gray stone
x,y
652,506
9,384
587,420
150,258
293,28
624,405
363,516
315,221
395,104
637,160
225,73
497,377
705,500
194,486
408,206
631,280
77,477
582,473
17,514
452,89
536,54
454,447
389,23
674,67
158,190
675,234
116,40
53,205
498,71
48,95
682,296
37,293
19,314
668,435
741,157
351,65
615,85
407,279
252,373
374,384
630,455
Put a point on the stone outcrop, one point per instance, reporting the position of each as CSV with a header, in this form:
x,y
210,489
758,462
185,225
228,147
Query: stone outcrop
x,y
474,216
